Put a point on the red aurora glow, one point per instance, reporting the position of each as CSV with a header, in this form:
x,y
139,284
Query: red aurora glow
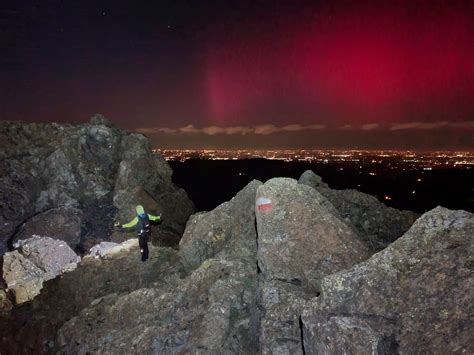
x,y
356,65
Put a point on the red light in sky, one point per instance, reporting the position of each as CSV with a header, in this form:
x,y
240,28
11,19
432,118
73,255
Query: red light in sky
x,y
385,64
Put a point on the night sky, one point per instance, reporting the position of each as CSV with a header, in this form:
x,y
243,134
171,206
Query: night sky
x,y
247,74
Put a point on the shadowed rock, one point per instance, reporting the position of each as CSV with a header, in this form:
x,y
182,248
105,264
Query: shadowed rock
x,y
145,178
48,169
58,223
376,224
311,179
415,296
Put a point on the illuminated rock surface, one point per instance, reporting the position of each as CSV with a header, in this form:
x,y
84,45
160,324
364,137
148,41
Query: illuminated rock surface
x,y
37,259
276,270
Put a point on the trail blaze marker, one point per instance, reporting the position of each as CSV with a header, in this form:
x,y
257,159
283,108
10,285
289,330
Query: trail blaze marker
x,y
264,204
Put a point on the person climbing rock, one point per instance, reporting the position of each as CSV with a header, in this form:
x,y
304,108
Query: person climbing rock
x,y
142,224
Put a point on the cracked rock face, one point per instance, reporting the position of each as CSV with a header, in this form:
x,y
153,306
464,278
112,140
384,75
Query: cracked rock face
x,y
376,224
415,296
301,239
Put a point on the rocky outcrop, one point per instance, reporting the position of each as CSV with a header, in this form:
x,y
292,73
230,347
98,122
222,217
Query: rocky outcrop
x,y
305,283
206,312
227,231
301,239
32,328
210,309
376,224
82,174
413,297
36,260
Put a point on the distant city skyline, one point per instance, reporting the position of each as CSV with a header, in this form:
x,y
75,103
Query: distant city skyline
x,y
405,158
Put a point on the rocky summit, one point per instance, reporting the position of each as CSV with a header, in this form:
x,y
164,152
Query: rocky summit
x,y
285,267
70,182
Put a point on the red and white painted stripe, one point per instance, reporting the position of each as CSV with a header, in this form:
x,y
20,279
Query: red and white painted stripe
x,y
264,204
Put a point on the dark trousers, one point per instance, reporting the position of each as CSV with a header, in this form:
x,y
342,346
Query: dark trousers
x,y
143,242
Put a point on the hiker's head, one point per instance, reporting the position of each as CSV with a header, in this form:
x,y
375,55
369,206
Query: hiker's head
x,y
140,210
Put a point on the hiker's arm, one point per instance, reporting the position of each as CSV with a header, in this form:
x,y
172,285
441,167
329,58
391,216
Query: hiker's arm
x,y
131,224
154,218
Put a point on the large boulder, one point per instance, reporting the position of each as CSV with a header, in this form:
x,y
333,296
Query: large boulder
x,y
416,296
300,236
376,224
46,169
50,165
57,223
228,230
301,239
36,260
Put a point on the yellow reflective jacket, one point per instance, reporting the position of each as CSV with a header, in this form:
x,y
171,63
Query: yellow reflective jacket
x,y
134,221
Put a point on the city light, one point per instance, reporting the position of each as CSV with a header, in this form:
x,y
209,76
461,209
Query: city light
x,y
402,160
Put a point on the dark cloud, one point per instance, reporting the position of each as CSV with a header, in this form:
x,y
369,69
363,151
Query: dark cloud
x,y
411,135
